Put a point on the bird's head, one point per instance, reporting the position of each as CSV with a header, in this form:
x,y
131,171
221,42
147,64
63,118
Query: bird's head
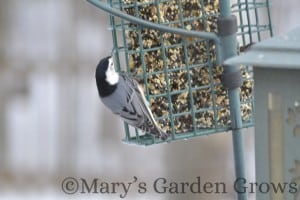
x,y
106,75
106,70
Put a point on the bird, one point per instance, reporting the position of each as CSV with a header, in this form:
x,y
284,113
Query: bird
x,y
125,98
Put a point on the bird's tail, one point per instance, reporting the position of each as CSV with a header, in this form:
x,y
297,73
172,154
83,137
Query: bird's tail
x,y
158,132
163,135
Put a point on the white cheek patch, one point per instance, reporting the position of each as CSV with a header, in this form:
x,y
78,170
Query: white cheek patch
x,y
112,77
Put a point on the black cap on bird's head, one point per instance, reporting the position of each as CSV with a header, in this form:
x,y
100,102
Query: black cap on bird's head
x,y
106,76
102,66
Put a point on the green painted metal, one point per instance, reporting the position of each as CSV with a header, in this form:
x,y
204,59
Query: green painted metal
x,y
229,44
248,32
277,152
285,46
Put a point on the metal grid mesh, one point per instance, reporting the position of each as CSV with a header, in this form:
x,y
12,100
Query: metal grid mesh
x,y
254,20
180,76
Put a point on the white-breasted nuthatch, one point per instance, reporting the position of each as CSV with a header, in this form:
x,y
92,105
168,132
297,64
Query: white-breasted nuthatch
x,y
124,97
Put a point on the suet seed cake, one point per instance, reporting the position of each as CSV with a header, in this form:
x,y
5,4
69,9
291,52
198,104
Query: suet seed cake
x,y
180,74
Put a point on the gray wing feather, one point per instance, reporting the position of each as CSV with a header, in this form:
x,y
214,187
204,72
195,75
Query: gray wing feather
x,y
136,112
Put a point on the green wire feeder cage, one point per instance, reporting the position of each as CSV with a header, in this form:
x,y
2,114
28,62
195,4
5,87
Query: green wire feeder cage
x,y
175,49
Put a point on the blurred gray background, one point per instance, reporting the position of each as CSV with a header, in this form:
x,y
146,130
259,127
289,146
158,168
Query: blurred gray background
x,y
52,124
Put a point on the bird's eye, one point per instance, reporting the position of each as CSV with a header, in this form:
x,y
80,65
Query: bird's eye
x,y
111,66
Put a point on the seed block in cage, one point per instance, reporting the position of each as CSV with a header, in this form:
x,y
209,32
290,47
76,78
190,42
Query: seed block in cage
x,y
178,68
182,79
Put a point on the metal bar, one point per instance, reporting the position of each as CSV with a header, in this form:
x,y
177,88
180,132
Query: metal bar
x,y
122,24
127,135
163,49
269,17
229,44
257,21
241,22
115,40
249,23
213,94
191,102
